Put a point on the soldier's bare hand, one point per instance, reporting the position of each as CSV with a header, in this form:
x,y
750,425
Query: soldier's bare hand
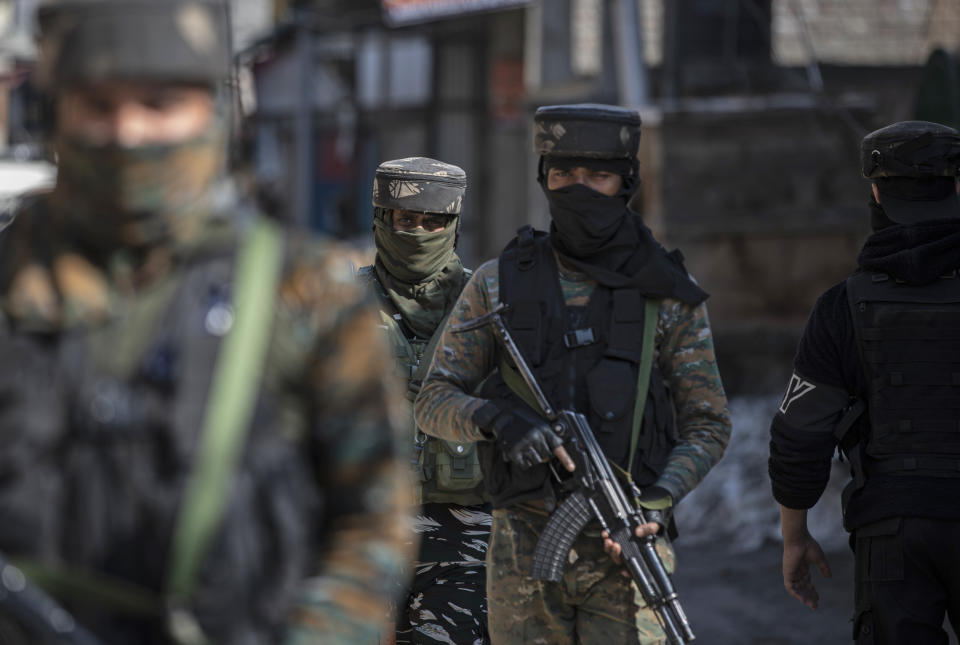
x,y
564,458
798,556
613,549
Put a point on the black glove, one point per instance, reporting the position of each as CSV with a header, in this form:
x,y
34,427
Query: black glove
x,y
524,438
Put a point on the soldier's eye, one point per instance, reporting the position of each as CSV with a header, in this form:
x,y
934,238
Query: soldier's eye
x,y
435,223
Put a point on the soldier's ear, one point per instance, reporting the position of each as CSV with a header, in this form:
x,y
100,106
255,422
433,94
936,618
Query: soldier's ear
x,y
876,191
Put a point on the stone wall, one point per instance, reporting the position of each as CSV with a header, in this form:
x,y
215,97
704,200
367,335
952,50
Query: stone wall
x,y
767,204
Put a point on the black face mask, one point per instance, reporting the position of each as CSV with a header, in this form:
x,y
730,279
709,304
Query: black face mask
x,y
878,217
598,235
589,225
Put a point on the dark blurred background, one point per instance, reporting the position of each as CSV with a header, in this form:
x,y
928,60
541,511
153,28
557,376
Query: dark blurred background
x,y
752,112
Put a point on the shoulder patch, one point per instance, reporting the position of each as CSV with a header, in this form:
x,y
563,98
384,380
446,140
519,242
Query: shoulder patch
x,y
797,388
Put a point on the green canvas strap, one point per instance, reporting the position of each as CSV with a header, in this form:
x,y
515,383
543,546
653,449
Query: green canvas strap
x,y
230,406
92,588
421,372
651,310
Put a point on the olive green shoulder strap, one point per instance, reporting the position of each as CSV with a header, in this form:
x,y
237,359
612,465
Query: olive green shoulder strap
x,y
421,372
651,310
230,406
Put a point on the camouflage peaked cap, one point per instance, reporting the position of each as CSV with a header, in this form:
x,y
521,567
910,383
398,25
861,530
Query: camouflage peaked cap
x,y
82,41
911,149
420,184
587,130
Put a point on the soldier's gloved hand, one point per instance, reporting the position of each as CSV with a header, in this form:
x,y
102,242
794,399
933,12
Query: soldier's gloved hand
x,y
524,438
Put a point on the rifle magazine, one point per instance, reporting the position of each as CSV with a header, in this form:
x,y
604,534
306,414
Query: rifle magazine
x,y
563,527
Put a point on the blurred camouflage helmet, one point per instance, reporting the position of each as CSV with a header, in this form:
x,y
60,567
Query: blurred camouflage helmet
x,y
419,184
911,149
83,41
587,130
914,165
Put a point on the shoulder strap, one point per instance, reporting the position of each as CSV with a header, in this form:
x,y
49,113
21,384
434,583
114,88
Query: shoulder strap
x,y
421,371
650,314
651,310
229,408
369,275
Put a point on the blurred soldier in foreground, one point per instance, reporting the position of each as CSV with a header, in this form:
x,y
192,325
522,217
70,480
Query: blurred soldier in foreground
x,y
196,435
578,301
877,372
417,277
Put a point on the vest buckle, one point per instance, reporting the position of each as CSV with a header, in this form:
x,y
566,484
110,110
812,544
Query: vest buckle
x,y
579,338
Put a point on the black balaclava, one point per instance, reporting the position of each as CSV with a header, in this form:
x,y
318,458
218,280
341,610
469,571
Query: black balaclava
x,y
923,250
879,219
600,236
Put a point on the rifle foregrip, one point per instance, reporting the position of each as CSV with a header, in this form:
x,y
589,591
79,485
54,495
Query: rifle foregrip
x,y
553,547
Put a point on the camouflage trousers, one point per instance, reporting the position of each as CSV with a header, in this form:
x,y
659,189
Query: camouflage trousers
x,y
593,605
446,605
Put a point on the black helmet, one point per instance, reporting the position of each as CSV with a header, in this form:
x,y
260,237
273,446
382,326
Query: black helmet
x,y
914,165
587,130
83,41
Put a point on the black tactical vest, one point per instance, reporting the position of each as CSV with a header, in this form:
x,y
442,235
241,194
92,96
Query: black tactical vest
x,y
909,342
586,360
106,452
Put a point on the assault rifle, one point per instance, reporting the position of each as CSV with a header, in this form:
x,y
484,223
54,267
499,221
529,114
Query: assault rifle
x,y
38,611
597,494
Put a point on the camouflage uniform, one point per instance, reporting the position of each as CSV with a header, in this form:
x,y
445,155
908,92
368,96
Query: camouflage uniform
x,y
417,277
109,346
594,603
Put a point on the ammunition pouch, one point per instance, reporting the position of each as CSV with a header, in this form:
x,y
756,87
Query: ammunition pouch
x,y
450,472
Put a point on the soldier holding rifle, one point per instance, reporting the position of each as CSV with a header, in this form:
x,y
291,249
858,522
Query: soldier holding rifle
x,y
615,333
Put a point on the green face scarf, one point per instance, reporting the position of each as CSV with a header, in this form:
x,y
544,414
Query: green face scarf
x,y
413,256
420,272
139,196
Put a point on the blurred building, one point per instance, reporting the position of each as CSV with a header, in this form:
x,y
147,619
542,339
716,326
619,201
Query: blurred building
x,y
752,113
753,110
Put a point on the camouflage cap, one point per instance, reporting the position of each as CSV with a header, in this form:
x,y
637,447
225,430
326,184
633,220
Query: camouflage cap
x,y
911,149
82,41
420,184
587,130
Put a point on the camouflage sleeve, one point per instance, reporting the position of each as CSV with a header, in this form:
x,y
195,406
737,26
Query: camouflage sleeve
x,y
357,410
444,408
688,364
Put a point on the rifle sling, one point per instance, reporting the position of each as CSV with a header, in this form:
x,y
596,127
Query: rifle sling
x,y
230,406
92,588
